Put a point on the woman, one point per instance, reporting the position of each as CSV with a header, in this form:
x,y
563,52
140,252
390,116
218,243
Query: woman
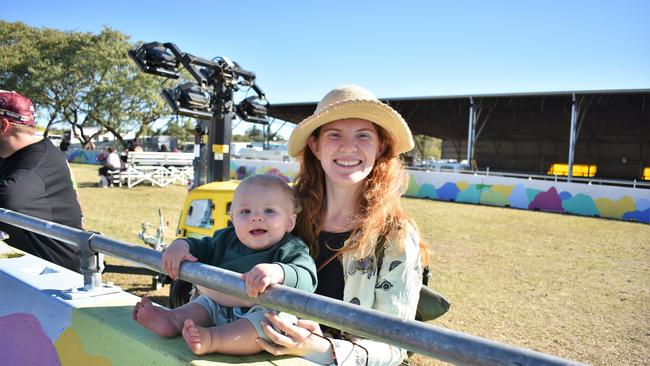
x,y
350,182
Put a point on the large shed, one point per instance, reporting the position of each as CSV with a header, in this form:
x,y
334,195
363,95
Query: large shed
x,y
529,132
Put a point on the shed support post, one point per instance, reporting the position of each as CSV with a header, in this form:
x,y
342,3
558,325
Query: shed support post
x,y
471,131
572,136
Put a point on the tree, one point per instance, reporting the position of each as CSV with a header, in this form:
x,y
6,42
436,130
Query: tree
x,y
33,62
83,79
126,99
181,128
255,134
240,138
427,147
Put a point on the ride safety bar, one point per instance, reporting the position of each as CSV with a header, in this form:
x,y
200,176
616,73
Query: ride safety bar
x,y
419,337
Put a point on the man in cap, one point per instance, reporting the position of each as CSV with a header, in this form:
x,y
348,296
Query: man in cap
x,y
35,180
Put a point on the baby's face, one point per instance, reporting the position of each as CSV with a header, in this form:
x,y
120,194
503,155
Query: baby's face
x,y
262,215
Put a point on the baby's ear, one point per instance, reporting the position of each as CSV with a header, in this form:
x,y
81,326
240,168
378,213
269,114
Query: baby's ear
x,y
292,222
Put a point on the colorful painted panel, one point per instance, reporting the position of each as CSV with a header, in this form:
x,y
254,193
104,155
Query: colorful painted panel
x,y
621,203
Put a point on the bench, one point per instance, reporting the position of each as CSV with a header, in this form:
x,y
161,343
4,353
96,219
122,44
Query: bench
x,y
157,168
113,177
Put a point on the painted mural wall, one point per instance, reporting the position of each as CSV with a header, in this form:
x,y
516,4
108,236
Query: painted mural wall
x,y
629,204
620,203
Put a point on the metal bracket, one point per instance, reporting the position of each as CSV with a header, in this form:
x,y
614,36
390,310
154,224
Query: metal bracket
x,y
83,293
92,266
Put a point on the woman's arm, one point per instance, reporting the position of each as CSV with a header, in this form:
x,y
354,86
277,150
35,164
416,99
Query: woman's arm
x,y
396,291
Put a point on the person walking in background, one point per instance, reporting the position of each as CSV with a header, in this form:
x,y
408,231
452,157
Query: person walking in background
x,y
35,180
350,182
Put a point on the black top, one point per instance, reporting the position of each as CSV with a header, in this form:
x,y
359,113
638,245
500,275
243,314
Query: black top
x,y
35,181
330,278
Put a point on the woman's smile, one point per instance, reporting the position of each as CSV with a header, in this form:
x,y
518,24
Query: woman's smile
x,y
347,162
347,149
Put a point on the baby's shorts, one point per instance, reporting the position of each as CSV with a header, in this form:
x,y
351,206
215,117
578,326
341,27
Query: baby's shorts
x,y
221,315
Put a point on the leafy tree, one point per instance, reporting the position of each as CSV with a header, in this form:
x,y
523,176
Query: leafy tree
x,y
427,147
83,79
181,128
255,134
35,62
240,138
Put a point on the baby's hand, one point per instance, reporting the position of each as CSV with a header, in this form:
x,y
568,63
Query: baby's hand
x,y
177,252
262,276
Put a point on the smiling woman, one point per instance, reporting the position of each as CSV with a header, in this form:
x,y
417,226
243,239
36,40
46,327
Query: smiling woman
x,y
350,183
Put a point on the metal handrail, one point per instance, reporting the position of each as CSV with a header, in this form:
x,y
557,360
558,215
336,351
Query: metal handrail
x,y
422,338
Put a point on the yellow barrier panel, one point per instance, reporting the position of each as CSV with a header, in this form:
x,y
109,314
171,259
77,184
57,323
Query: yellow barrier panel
x,y
579,170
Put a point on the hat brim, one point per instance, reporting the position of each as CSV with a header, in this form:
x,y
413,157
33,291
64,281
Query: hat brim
x,y
369,110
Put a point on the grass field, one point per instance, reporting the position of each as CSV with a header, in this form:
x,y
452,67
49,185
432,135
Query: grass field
x,y
571,286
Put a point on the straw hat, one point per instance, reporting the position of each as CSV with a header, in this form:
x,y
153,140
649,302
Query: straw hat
x,y
352,101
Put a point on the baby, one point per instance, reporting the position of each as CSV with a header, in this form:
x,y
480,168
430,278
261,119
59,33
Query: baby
x,y
260,246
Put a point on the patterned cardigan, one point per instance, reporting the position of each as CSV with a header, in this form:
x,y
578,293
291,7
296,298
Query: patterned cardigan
x,y
393,289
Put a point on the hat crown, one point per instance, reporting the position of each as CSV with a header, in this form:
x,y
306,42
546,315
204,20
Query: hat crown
x,y
352,102
344,93
17,107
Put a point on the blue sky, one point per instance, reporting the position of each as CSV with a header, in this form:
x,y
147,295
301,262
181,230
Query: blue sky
x,y
302,49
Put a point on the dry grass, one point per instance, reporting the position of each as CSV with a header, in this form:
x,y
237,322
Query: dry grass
x,y
570,286
120,212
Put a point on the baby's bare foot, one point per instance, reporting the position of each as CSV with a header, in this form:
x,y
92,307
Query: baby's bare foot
x,y
155,318
197,338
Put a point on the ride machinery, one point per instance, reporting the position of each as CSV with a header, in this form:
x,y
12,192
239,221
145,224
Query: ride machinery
x,y
206,92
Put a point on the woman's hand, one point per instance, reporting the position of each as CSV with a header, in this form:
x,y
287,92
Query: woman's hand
x,y
304,339
177,252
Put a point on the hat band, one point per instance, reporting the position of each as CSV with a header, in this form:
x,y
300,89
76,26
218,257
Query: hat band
x,y
15,116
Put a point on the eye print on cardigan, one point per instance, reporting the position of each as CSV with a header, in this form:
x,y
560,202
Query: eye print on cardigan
x,y
355,301
384,285
393,264
365,265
